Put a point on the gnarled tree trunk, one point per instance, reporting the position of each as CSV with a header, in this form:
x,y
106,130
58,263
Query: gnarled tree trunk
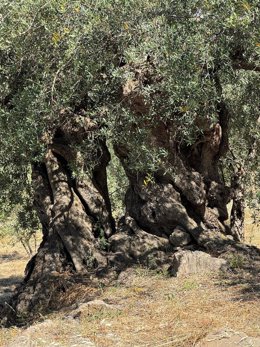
x,y
237,216
74,212
188,191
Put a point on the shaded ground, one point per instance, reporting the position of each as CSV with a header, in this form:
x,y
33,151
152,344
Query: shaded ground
x,y
8,257
145,309
13,259
7,287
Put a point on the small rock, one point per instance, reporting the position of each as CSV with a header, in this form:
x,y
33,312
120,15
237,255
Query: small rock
x,y
195,262
127,277
179,237
228,338
85,307
106,323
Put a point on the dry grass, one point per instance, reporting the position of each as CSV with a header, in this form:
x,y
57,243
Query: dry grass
x,y
252,231
13,259
152,310
177,311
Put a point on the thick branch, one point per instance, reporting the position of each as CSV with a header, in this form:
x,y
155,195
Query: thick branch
x,y
243,65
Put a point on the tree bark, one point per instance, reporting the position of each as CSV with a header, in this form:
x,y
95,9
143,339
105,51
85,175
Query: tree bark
x,y
237,216
74,212
188,190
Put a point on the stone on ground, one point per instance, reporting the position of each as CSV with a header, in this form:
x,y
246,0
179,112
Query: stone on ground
x,y
195,262
94,304
229,338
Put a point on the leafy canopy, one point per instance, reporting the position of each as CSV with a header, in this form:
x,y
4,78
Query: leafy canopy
x,y
72,54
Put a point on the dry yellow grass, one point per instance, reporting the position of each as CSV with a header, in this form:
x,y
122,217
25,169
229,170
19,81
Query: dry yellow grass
x,y
13,259
156,311
252,231
153,311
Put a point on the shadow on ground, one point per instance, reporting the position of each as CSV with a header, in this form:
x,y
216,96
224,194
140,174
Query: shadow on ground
x,y
244,272
7,287
9,257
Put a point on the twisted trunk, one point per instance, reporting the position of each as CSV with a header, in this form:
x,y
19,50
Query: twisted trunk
x,y
182,198
237,216
74,213
187,191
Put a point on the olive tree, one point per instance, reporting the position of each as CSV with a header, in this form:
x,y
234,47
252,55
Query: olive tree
x,y
170,84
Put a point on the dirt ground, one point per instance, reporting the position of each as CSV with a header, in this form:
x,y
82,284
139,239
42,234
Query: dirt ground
x,y
145,309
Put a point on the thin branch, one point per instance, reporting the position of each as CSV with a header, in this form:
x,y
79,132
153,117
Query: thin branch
x,y
243,65
54,82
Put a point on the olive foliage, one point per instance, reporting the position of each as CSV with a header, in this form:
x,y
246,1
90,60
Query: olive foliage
x,y
74,55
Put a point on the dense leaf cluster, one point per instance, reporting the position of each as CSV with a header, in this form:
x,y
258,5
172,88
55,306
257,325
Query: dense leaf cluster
x,y
77,55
